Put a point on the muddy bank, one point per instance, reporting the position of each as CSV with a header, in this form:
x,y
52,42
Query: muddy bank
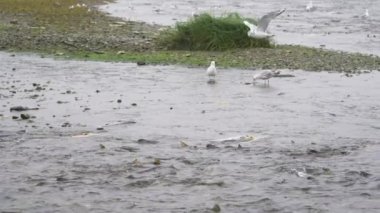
x,y
87,34
111,137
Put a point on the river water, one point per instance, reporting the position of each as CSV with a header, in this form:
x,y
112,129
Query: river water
x,y
335,24
117,137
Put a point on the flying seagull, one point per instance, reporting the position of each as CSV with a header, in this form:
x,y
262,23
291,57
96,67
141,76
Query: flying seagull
x,y
260,31
211,71
265,75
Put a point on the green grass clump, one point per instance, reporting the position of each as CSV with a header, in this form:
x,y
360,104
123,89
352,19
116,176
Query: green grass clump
x,y
206,32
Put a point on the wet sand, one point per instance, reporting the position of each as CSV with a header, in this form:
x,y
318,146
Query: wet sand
x,y
172,143
336,24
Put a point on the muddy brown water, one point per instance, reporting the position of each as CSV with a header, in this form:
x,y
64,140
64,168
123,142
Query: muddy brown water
x,y
335,24
177,144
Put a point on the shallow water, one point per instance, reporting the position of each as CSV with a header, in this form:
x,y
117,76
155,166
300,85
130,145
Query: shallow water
x,y
312,141
335,24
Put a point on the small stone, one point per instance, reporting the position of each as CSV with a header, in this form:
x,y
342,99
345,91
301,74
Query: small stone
x,y
141,63
14,117
134,104
13,22
66,124
312,151
100,128
97,91
118,100
364,174
25,116
216,208
59,179
211,146
13,69
157,161
102,146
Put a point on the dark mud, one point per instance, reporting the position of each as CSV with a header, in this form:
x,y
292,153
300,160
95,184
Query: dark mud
x,y
308,143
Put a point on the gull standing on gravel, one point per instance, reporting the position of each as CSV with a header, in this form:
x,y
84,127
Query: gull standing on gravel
x,y
265,75
260,31
211,71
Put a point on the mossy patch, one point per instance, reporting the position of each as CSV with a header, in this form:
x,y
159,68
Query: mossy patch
x,y
206,32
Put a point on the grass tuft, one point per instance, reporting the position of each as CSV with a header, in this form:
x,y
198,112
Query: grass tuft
x,y
206,32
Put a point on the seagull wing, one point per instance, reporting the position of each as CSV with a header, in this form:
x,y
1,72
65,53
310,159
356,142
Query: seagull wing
x,y
265,20
250,25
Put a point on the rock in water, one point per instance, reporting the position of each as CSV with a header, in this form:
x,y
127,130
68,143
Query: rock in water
x,y
25,116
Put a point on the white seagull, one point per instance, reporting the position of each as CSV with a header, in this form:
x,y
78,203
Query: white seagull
x,y
366,13
260,31
211,70
265,75
309,6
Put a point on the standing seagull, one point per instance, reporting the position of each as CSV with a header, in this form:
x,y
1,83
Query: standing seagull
x,y
211,72
309,6
265,75
260,31
366,13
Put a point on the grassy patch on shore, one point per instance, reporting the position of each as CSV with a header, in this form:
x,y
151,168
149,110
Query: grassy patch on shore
x,y
206,32
81,32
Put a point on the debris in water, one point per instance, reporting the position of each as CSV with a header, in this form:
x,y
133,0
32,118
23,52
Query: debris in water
x,y
183,144
145,141
102,146
21,108
243,138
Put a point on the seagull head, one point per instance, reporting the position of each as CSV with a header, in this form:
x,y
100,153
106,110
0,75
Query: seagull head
x,y
212,63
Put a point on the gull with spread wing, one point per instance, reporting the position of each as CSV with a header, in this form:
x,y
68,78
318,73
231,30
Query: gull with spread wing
x,y
260,31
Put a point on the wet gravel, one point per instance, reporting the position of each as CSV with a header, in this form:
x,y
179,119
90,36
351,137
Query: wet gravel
x,y
308,143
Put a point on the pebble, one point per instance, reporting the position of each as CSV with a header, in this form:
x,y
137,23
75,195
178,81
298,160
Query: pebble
x,y
141,63
25,116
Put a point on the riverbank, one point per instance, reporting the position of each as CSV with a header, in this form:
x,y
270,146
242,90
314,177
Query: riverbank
x,y
67,30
